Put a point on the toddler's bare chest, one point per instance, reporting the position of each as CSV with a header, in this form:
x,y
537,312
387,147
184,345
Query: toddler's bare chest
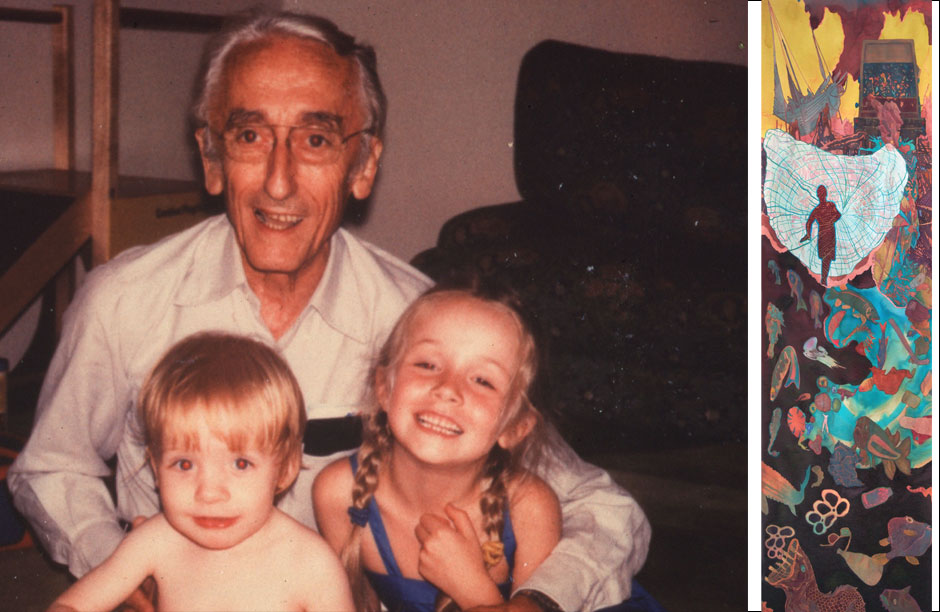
x,y
211,586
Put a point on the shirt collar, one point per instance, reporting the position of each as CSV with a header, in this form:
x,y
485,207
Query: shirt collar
x,y
216,267
338,298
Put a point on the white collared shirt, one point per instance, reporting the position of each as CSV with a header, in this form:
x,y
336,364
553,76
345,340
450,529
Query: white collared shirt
x,y
127,314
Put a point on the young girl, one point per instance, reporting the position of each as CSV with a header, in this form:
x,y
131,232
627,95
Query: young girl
x,y
224,420
434,508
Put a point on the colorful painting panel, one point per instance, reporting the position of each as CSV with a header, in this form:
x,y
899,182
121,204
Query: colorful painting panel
x,y
846,300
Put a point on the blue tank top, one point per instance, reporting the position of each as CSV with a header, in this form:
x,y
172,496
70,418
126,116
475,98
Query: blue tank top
x,y
400,594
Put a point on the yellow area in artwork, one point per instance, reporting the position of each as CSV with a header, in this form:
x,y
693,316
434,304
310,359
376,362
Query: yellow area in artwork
x,y
793,22
794,27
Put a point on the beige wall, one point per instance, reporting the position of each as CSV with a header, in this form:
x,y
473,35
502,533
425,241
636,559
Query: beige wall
x,y
449,69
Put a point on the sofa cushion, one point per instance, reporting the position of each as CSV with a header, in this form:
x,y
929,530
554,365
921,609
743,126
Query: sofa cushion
x,y
628,245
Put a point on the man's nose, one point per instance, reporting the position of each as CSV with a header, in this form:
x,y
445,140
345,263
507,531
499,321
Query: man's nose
x,y
280,180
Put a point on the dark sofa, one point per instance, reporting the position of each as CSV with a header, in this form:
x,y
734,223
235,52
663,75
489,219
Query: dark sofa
x,y
628,243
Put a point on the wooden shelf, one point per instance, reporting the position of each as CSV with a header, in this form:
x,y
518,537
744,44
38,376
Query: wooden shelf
x,y
27,269
76,183
51,214
47,221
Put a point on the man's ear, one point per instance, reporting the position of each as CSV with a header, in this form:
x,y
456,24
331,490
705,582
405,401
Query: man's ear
x,y
516,432
364,176
211,165
289,473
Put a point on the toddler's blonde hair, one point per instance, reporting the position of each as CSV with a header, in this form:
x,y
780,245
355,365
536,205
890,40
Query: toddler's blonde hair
x,y
241,388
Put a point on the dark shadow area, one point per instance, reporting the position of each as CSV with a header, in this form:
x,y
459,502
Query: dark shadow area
x,y
628,244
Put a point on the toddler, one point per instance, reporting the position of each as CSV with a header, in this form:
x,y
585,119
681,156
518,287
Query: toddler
x,y
223,419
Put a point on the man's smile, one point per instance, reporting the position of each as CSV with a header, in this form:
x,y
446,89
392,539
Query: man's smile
x,y
276,221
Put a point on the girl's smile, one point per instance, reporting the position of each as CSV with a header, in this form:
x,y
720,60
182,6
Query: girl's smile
x,y
438,424
446,395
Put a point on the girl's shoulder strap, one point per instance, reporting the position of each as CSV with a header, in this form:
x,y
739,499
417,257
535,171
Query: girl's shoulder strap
x,y
508,537
370,515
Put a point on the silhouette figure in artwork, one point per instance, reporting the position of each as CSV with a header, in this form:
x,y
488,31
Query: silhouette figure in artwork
x,y
826,215
823,135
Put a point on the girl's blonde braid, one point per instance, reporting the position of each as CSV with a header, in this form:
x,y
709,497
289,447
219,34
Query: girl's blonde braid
x,y
375,445
492,504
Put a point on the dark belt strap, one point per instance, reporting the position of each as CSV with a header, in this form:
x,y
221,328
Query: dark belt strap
x,y
327,436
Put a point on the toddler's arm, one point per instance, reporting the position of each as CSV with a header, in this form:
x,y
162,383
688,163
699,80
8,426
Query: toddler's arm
x,y
329,584
109,584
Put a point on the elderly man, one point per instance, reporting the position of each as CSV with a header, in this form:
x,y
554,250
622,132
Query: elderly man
x,y
290,119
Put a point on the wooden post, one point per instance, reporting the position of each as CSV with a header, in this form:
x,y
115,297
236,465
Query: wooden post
x,y
63,87
63,113
104,170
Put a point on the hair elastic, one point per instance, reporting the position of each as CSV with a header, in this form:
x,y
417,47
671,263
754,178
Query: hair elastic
x,y
492,552
359,516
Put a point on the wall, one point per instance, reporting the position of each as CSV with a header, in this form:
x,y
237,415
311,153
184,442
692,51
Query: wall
x,y
449,70
157,71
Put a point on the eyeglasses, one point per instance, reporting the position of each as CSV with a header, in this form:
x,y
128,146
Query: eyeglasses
x,y
309,144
